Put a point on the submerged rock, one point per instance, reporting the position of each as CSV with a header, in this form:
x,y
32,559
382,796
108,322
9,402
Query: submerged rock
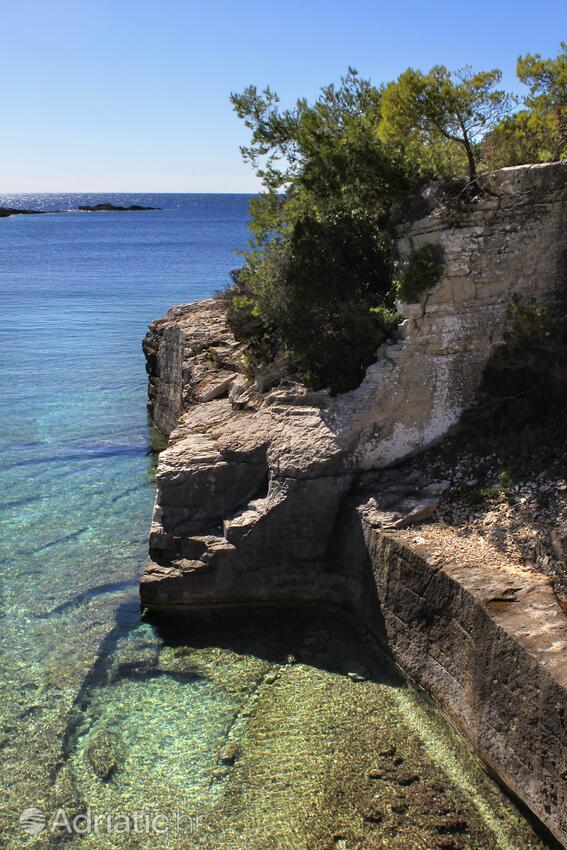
x,y
66,794
229,753
104,753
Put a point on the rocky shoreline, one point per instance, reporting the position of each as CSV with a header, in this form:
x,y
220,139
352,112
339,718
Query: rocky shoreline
x,y
268,492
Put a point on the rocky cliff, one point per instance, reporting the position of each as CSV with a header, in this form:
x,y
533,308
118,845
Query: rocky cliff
x,y
270,492
250,485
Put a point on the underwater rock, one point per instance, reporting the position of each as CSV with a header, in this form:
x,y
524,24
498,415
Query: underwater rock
x,y
399,805
104,753
452,824
270,678
377,773
357,677
229,753
406,778
372,812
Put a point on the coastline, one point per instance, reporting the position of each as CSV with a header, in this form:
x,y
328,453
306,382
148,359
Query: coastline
x,y
255,491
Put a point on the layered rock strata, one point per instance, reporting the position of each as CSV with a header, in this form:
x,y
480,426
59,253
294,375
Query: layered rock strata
x,y
268,491
257,466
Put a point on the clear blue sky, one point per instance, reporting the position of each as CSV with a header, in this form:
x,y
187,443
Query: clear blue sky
x,y
132,95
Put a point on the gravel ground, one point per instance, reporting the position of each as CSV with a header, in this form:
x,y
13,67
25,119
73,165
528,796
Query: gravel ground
x,y
517,521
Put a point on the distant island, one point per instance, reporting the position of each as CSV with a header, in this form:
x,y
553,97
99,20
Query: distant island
x,y
6,211
113,208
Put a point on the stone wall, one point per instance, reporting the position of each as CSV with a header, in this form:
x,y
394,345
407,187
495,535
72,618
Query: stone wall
x,y
490,648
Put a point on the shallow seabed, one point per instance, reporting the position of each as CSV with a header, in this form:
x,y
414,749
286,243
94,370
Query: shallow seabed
x,y
283,729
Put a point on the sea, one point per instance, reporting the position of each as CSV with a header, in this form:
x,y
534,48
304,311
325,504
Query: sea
x,y
234,731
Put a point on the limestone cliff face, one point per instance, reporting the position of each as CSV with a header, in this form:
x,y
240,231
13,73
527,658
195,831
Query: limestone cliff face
x,y
249,488
268,491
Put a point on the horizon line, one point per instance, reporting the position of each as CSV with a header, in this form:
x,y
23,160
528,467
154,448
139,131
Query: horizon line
x,y
120,192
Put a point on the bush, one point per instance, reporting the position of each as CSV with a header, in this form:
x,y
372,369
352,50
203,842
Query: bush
x,y
525,381
330,302
323,296
244,321
239,306
420,272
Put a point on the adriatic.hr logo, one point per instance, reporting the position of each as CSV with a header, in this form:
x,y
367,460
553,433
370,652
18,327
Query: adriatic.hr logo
x,y
33,821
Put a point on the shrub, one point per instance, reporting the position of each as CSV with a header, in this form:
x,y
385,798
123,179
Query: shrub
x,y
419,273
330,299
525,380
244,321
323,295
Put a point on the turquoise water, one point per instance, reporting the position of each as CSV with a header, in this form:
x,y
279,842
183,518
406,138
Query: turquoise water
x,y
77,292
244,733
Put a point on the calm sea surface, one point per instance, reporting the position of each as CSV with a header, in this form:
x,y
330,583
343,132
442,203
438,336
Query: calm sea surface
x,y
102,712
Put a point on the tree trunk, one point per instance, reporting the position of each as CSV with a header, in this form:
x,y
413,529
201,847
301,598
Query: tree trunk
x,y
472,163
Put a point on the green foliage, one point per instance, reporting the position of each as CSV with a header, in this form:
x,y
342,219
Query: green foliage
x,y
537,133
419,273
515,141
240,308
547,98
525,381
505,480
243,318
492,492
326,294
318,275
440,117
317,279
318,159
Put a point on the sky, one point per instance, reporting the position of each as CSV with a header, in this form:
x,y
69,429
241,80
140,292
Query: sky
x,y
133,95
